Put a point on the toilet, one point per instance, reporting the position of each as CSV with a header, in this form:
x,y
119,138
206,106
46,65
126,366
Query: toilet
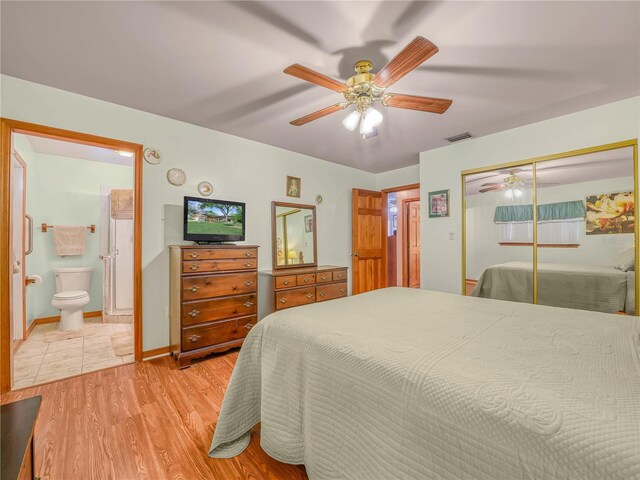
x,y
72,294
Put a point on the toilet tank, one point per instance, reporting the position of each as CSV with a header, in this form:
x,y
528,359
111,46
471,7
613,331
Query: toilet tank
x,y
69,279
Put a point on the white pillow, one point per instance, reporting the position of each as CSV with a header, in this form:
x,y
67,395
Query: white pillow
x,y
626,260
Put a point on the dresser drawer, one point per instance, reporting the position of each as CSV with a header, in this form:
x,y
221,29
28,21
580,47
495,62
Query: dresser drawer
x,y
197,266
207,286
286,282
217,332
218,309
329,292
340,275
293,298
218,253
306,279
324,277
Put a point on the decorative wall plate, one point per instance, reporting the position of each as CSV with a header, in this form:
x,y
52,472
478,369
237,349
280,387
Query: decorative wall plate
x,y
176,176
319,199
205,188
152,155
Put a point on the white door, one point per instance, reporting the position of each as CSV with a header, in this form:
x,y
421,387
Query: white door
x,y
17,222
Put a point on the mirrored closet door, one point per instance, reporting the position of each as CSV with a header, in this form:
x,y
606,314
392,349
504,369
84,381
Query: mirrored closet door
x,y
586,255
558,230
498,218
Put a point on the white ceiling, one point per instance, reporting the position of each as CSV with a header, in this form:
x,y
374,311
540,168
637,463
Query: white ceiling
x,y
582,168
219,64
61,148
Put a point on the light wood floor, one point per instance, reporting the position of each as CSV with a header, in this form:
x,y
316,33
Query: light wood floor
x,y
142,421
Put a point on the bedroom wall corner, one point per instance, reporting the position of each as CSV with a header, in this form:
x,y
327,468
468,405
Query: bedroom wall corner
x,y
440,169
398,177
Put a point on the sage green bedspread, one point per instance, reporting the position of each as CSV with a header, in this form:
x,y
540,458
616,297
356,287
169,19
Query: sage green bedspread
x,y
413,384
585,287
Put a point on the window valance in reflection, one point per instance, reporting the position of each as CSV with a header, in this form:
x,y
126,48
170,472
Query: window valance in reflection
x,y
546,213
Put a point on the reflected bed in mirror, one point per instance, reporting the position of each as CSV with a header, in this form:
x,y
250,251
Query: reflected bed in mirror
x,y
294,235
584,229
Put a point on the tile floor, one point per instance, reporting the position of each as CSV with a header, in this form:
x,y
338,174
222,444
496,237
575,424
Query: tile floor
x,y
37,361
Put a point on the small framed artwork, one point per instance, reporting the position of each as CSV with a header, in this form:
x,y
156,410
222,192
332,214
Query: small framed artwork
x,y
293,186
439,204
394,222
308,224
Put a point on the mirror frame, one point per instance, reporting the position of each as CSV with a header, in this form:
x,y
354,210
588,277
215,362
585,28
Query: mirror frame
x,y
534,161
274,235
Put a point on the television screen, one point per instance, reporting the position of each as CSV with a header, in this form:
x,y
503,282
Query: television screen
x,y
208,220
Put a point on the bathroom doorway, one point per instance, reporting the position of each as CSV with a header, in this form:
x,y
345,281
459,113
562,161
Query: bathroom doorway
x,y
74,256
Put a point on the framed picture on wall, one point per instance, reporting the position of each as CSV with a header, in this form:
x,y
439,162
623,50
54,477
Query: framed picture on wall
x,y
308,223
439,204
293,186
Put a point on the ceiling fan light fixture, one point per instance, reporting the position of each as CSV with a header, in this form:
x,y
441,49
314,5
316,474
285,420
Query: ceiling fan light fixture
x,y
351,121
371,119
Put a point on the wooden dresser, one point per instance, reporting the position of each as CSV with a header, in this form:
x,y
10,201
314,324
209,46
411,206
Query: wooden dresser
x,y
213,298
286,288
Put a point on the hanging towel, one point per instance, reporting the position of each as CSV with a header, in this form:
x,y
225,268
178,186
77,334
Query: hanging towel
x,y
121,204
70,240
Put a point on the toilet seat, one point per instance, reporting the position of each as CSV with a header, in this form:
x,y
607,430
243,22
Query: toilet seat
x,y
71,295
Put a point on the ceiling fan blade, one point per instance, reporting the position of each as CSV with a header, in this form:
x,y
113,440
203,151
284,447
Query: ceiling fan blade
x,y
491,189
490,184
312,76
412,102
319,114
411,56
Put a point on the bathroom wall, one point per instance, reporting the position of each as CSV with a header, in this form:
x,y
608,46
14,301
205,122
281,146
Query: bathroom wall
x,y
64,191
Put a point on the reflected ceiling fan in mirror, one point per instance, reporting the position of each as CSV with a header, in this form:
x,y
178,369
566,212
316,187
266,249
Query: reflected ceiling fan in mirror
x,y
513,184
364,89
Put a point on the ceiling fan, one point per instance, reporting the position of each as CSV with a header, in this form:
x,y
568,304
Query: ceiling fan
x,y
365,88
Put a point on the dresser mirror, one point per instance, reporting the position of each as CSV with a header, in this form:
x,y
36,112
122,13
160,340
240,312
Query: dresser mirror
x,y
294,235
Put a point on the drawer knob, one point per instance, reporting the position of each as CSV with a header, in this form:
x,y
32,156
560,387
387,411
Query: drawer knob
x,y
248,264
194,289
342,290
323,277
283,300
193,267
248,326
321,294
194,255
194,338
248,304
309,295
194,313
286,282
306,279
248,254
248,283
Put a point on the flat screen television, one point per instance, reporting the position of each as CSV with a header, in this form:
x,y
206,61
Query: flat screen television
x,y
213,221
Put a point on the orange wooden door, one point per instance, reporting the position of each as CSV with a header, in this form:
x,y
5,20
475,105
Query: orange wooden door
x,y
368,231
413,244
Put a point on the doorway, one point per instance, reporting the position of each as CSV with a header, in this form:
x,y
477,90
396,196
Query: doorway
x,y
386,238
71,254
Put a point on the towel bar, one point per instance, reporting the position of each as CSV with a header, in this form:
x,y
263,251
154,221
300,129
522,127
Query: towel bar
x,y
45,227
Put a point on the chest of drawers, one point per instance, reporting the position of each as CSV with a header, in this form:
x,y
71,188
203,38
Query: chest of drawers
x,y
282,289
213,298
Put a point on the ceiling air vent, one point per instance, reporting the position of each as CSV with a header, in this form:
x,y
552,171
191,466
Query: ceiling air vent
x,y
457,138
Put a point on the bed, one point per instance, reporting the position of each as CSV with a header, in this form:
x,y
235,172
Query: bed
x,y
406,384
586,287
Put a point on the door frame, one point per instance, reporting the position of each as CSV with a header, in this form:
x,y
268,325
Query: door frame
x,y
405,237
385,212
7,128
